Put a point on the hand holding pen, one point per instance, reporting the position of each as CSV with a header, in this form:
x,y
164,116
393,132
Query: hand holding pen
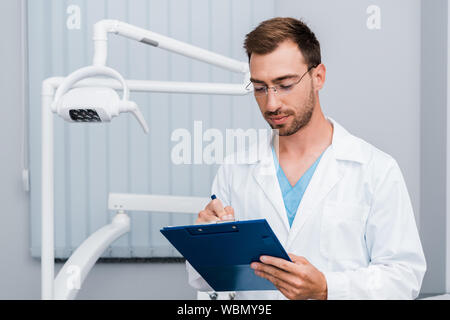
x,y
214,212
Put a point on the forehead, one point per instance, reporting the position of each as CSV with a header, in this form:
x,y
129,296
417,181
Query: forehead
x,y
285,59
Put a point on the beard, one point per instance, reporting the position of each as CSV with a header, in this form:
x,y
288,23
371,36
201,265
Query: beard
x,y
301,119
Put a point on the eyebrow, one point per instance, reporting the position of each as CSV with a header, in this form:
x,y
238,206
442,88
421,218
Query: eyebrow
x,y
288,76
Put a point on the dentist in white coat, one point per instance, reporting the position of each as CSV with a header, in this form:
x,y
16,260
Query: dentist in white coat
x,y
351,234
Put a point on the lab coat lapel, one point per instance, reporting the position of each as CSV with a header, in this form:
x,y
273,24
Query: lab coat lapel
x,y
266,178
326,176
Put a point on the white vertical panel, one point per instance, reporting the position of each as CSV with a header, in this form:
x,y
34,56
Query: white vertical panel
x,y
118,147
76,181
220,112
97,157
180,104
92,160
58,60
200,36
38,70
139,153
159,128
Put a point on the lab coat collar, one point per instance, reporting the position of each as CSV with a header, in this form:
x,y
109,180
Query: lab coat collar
x,y
346,146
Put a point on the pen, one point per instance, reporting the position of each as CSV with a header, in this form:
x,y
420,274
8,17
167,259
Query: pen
x,y
213,197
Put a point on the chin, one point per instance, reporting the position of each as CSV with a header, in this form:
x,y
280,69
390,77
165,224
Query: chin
x,y
285,132
282,130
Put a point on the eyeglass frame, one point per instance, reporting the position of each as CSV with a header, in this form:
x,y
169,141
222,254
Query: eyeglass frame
x,y
274,88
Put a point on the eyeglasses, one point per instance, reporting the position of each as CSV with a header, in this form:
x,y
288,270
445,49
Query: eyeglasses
x,y
280,89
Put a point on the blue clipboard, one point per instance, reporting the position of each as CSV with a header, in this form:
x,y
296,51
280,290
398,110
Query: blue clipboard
x,y
222,252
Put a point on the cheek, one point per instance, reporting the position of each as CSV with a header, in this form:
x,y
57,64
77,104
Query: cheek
x,y
297,102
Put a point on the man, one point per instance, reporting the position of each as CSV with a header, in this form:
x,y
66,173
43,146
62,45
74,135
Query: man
x,y
338,205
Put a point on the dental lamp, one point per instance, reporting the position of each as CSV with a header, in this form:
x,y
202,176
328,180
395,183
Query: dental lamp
x,y
84,97
94,104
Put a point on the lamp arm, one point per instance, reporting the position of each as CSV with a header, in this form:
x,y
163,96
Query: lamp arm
x,y
103,27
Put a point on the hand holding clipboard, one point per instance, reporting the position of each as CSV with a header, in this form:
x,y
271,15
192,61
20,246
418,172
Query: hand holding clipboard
x,y
222,252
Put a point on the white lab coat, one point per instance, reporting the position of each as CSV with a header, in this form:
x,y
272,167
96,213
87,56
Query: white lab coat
x,y
355,222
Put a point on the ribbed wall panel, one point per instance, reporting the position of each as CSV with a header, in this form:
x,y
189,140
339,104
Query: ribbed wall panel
x,y
93,160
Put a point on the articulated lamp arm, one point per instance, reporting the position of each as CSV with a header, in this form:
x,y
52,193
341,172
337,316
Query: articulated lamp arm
x,y
103,27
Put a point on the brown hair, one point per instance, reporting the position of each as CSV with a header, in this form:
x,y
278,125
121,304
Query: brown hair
x,y
266,37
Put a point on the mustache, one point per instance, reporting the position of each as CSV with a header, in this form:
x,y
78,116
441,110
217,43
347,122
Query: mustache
x,y
278,112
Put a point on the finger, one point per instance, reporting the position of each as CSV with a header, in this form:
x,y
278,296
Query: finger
x,y
290,278
217,208
303,260
280,284
230,213
297,259
279,263
292,256
285,288
212,220
206,216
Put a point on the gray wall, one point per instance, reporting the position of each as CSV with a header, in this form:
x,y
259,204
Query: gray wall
x,y
93,160
448,157
373,76
19,273
381,100
434,126
389,86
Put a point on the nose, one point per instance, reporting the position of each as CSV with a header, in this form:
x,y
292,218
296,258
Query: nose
x,y
272,101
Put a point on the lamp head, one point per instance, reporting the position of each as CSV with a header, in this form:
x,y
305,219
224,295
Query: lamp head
x,y
93,104
89,105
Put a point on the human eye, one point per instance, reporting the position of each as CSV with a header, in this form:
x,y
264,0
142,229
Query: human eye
x,y
286,86
259,88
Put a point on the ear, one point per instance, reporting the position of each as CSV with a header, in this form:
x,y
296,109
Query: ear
x,y
318,76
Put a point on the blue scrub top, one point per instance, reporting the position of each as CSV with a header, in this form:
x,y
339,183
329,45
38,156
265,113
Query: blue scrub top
x,y
292,195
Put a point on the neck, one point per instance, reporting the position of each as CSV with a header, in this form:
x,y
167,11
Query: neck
x,y
312,139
